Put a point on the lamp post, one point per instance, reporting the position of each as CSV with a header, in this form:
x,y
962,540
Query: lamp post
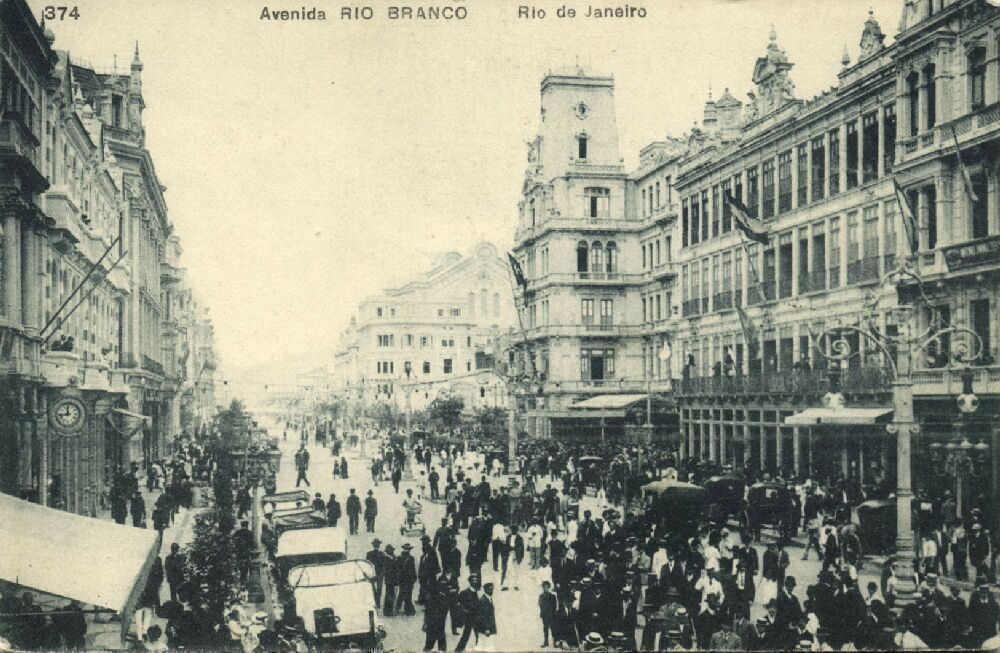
x,y
898,351
408,369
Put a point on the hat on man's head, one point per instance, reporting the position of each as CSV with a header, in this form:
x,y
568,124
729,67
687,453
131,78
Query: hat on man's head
x,y
595,639
406,546
376,542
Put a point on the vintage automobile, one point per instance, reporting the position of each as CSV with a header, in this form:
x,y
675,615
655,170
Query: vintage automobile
x,y
680,505
333,606
591,471
725,495
297,519
769,505
310,546
283,501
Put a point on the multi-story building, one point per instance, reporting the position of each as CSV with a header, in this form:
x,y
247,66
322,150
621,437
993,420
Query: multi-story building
x,y
584,240
430,336
73,404
820,175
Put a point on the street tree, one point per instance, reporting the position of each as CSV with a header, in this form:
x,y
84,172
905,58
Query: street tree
x,y
445,412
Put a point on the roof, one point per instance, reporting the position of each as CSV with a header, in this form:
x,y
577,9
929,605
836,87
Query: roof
x,y
312,540
69,555
839,416
337,573
608,401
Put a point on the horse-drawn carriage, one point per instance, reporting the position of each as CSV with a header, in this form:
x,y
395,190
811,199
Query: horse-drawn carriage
x,y
725,496
679,506
771,506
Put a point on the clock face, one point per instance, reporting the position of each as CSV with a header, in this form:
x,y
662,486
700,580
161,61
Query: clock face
x,y
68,413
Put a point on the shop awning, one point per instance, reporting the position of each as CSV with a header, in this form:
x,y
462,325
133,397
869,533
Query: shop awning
x,y
130,422
606,402
840,417
94,561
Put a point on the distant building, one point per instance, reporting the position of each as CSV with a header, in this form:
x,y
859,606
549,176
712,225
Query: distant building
x,y
441,326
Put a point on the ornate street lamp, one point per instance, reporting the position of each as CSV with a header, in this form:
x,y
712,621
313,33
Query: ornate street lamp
x,y
898,351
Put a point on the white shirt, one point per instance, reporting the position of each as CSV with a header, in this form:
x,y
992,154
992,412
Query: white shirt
x,y
659,559
708,585
498,532
711,558
535,536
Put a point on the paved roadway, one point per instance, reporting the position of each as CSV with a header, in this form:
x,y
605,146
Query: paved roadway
x,y
518,625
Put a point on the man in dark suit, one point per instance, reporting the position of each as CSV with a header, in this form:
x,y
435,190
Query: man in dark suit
x,y
740,590
428,568
487,619
787,608
391,566
468,608
435,613
371,512
407,579
353,512
547,604
377,558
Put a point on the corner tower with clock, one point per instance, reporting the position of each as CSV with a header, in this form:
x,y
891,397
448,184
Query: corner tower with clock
x,y
578,246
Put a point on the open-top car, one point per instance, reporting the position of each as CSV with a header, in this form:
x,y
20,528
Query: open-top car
x,y
310,546
333,605
280,501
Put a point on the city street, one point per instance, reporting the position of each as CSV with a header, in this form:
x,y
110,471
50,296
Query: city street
x,y
519,626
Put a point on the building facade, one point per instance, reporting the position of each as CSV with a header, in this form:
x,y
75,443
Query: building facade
x,y
73,279
821,176
432,336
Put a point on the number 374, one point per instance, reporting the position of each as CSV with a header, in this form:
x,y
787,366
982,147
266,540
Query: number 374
x,y
61,13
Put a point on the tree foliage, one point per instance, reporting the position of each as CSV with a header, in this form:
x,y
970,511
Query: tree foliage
x,y
491,423
386,416
445,412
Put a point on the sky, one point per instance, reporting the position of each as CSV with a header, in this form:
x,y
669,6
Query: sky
x,y
309,164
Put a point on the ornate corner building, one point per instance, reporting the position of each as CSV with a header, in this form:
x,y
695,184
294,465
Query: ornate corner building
x,y
637,281
96,326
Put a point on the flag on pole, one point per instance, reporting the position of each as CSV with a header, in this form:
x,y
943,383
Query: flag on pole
x,y
909,222
749,224
749,332
518,272
961,164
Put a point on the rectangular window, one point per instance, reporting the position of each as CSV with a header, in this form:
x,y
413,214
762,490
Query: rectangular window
x,y
457,312
889,237
869,147
607,312
834,161
644,256
785,181
979,311
727,213
684,223
666,248
768,274
869,242
803,260
785,265
818,168
977,79
598,202
597,364
659,313
644,309
581,147
834,281
587,311
931,217
738,278
447,366
695,223
704,285
852,155
913,96
888,136
643,203
853,248
980,208
930,93
715,211
752,194
695,289
802,166
705,210
658,203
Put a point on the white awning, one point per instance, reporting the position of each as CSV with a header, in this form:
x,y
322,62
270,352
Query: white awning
x,y
839,416
94,561
609,401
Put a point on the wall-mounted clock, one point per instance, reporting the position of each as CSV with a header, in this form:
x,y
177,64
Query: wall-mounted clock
x,y
67,414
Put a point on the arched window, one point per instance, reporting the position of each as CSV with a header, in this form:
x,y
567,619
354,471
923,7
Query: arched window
x,y
581,256
483,306
912,90
596,257
612,256
532,206
496,304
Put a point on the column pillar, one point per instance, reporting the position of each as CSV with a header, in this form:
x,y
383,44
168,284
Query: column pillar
x,y
713,449
923,217
845,461
903,427
826,164
922,102
722,443
951,229
842,150
779,448
703,447
30,286
682,444
12,270
880,126
795,177
763,446
795,262
796,451
746,442
691,448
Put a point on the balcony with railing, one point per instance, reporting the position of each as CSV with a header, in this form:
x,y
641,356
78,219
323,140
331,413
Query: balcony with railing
x,y
865,269
723,301
816,383
948,381
18,147
691,307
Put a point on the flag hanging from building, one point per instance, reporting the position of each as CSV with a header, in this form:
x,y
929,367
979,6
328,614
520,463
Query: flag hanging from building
x,y
961,165
909,222
750,225
749,332
518,272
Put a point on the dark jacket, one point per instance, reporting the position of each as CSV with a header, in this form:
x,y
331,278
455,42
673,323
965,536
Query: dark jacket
x,y
429,566
407,568
371,507
173,566
487,616
547,606
353,505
